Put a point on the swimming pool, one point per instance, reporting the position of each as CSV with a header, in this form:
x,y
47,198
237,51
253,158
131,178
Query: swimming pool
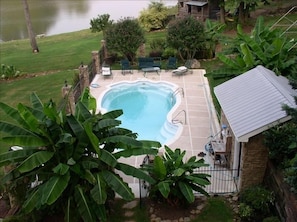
x,y
147,108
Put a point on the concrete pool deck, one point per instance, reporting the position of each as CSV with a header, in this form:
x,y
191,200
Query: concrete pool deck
x,y
201,118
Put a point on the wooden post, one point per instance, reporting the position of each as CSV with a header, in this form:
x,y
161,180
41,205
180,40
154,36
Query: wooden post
x,y
105,53
96,59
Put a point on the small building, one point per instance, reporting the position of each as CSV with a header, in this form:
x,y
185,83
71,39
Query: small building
x,y
251,104
200,9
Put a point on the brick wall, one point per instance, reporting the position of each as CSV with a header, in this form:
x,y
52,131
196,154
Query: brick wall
x,y
254,158
286,201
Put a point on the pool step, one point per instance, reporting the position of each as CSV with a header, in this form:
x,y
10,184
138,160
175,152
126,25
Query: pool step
x,y
167,131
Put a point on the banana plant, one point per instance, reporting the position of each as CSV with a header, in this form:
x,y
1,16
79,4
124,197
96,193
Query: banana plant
x,y
75,157
263,46
176,180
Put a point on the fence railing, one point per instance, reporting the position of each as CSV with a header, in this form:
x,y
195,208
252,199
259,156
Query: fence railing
x,y
92,70
222,180
76,91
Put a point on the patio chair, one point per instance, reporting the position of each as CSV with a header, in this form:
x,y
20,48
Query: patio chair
x,y
171,63
126,68
106,71
182,70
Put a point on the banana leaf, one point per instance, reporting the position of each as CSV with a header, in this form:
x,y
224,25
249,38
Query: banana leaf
x,y
98,193
25,141
108,158
29,118
32,200
135,152
118,185
199,189
75,125
36,102
179,171
164,188
107,123
112,114
150,144
15,156
135,172
159,169
53,188
83,204
92,137
82,112
35,160
88,100
124,141
187,191
14,114
61,169
198,179
229,61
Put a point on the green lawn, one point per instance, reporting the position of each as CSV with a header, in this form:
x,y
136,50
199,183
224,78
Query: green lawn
x,y
59,52
216,210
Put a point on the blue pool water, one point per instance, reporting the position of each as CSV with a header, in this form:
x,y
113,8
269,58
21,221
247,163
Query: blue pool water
x,y
146,107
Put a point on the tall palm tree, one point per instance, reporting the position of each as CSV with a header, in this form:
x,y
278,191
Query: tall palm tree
x,y
29,27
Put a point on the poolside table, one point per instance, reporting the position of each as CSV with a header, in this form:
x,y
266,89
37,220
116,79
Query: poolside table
x,y
220,153
150,69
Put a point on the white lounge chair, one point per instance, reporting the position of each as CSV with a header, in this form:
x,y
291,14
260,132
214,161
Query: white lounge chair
x,y
181,70
106,71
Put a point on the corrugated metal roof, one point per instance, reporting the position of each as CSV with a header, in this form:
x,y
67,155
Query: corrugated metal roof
x,y
196,3
252,102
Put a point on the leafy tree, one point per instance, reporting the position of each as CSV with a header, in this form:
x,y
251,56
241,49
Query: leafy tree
x,y
243,8
175,179
74,157
263,47
213,32
155,17
187,36
125,37
278,139
31,34
101,23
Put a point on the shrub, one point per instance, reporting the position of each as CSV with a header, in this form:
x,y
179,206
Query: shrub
x,y
157,47
158,44
271,219
175,179
169,52
291,175
259,199
155,54
7,72
245,211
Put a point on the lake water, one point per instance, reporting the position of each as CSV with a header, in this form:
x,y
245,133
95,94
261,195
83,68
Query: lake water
x,y
52,17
